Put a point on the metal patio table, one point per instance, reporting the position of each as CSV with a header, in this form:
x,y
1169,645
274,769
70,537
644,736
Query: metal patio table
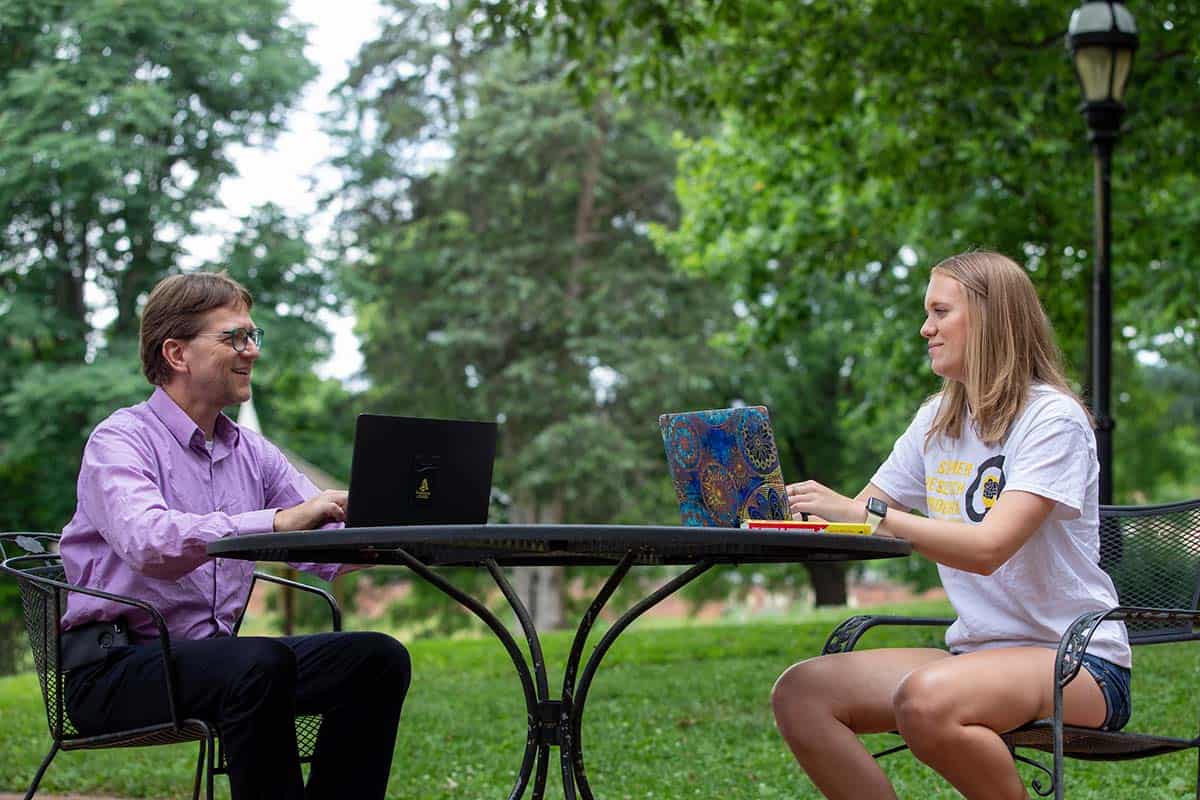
x,y
555,721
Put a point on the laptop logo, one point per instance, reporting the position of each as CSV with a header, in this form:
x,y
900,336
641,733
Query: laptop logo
x,y
426,476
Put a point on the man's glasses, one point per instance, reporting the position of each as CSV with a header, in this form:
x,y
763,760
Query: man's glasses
x,y
239,338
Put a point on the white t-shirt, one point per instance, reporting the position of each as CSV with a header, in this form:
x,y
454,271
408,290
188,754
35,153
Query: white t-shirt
x,y
1055,576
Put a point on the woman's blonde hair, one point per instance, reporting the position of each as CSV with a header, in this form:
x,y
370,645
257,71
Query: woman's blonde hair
x,y
1010,346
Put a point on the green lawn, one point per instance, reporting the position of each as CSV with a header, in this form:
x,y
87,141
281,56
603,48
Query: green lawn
x,y
675,712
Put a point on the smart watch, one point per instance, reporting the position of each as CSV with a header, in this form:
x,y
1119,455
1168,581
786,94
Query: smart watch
x,y
876,511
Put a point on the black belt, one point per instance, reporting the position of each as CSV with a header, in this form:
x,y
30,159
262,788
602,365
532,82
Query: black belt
x,y
90,643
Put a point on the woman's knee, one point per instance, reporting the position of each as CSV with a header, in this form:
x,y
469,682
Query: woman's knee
x,y
924,708
802,692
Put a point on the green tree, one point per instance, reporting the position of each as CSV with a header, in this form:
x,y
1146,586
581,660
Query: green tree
x,y
117,119
852,132
116,124
859,143
514,278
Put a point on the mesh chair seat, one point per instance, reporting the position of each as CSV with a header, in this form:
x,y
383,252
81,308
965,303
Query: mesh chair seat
x,y
190,730
1090,744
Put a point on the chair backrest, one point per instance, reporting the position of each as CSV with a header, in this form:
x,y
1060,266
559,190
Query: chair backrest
x,y
1152,554
42,606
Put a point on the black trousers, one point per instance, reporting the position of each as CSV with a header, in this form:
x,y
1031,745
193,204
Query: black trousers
x,y
252,688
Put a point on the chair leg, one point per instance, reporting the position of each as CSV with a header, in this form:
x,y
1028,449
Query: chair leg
x,y
1198,773
212,756
1059,789
199,771
37,779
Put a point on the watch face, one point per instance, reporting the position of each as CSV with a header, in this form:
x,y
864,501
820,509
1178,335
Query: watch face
x,y
876,506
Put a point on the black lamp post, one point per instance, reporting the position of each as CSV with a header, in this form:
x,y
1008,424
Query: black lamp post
x,y
1102,37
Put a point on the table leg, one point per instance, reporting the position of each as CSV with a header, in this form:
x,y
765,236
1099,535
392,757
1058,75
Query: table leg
x,y
573,747
542,730
568,685
555,722
514,652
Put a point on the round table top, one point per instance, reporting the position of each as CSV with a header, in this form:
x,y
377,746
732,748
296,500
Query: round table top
x,y
538,545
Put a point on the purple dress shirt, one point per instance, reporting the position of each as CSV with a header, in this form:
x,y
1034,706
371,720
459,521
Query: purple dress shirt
x,y
151,496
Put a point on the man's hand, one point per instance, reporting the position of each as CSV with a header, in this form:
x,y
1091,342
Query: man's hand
x,y
328,506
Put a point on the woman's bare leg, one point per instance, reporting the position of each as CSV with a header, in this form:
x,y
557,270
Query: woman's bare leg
x,y
823,703
949,713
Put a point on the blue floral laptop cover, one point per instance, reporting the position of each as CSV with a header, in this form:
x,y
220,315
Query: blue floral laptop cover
x,y
725,466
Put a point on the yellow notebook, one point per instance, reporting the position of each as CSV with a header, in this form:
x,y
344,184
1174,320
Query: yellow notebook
x,y
857,528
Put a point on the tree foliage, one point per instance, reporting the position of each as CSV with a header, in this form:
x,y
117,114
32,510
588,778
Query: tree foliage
x,y
515,279
507,272
856,144
117,119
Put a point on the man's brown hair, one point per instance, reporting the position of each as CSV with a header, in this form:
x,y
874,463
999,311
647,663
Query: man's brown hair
x,y
176,309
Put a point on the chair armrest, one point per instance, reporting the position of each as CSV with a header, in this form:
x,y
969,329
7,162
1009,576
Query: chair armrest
x,y
1075,639
846,635
1078,635
334,611
160,623
29,543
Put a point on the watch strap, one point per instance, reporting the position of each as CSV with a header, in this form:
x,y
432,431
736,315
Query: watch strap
x,y
874,519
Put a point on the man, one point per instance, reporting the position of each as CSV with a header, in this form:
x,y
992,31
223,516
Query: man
x,y
159,481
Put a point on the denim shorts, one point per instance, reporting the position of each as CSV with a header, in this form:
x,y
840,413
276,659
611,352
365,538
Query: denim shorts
x,y
1113,681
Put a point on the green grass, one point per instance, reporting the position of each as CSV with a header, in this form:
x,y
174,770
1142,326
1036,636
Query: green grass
x,y
675,712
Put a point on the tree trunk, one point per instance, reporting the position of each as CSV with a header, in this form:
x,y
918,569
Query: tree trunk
x,y
829,584
828,580
541,589
132,284
585,210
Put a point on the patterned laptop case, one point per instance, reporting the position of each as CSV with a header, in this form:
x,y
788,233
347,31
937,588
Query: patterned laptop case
x,y
725,466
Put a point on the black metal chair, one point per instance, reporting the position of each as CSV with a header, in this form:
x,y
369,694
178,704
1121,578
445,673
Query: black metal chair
x,y
32,559
1153,556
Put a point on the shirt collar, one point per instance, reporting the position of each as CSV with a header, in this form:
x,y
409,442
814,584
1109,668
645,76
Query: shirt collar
x,y
226,432
186,431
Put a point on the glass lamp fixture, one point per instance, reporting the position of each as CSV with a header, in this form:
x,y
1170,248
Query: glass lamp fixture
x,y
1102,38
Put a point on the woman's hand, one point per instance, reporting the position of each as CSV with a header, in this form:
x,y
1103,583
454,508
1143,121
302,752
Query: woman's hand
x,y
810,497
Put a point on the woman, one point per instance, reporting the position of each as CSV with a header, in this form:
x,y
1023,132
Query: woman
x,y
1002,463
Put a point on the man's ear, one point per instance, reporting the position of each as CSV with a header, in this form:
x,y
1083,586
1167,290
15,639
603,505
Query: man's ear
x,y
174,352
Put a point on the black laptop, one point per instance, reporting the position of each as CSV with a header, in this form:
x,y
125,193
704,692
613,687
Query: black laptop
x,y
412,471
